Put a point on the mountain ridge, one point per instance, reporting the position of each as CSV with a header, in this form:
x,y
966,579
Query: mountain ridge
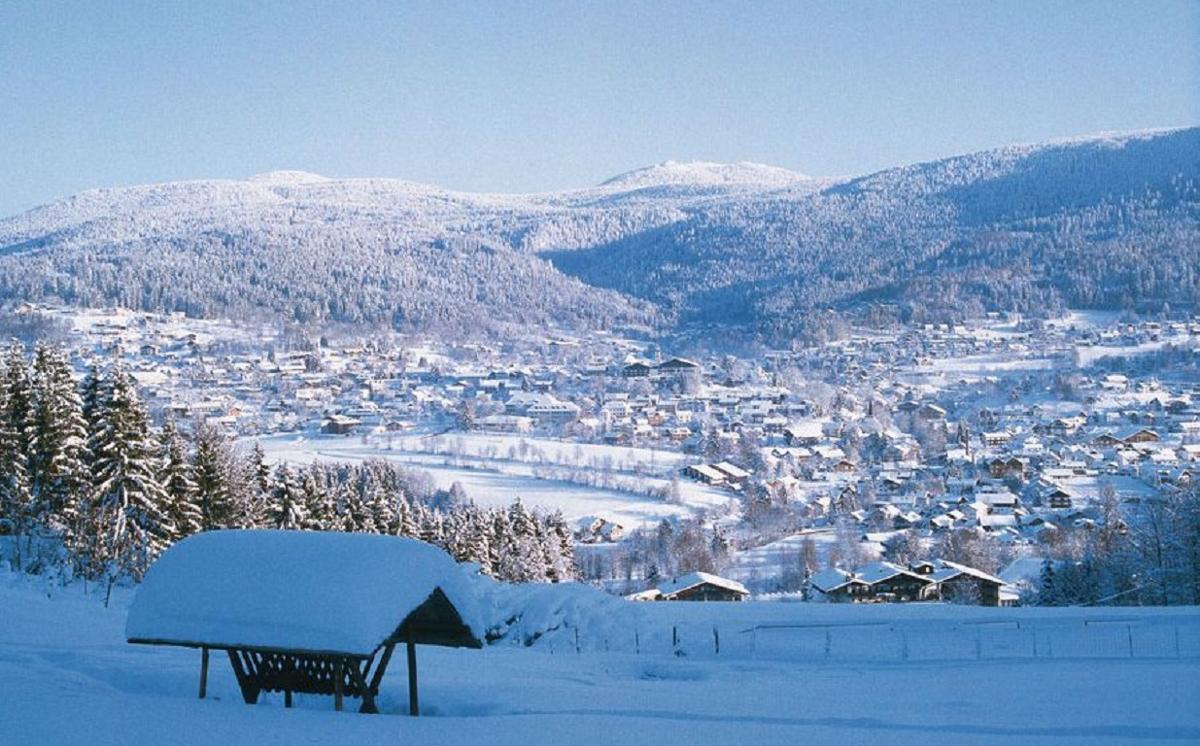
x,y
744,245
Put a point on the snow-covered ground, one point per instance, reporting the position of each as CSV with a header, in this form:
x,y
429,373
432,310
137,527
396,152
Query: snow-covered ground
x,y
913,675
496,469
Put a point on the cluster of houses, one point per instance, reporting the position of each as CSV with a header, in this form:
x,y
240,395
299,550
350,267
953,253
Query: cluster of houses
x,y
941,428
936,580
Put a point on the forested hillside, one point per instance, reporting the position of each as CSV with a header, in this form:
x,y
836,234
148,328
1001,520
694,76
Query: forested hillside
x,y
1108,222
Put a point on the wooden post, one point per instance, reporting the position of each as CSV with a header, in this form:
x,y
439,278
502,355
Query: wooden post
x,y
339,673
203,672
287,697
414,707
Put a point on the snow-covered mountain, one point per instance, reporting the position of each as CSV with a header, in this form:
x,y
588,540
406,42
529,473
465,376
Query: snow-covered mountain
x,y
1103,221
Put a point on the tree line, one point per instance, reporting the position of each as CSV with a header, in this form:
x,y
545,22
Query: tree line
x,y
89,486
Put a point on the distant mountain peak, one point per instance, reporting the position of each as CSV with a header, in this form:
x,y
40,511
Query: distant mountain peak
x,y
706,173
286,177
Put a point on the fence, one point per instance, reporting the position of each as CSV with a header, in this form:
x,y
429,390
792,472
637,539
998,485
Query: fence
x,y
1092,638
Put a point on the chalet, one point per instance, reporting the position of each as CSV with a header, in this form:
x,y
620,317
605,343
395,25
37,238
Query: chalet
x,y
704,473
997,438
807,433
636,370
960,583
733,474
701,586
679,368
340,425
1059,498
1000,468
921,581
873,583
931,412
1141,435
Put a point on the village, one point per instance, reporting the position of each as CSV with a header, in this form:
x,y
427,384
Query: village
x,y
814,471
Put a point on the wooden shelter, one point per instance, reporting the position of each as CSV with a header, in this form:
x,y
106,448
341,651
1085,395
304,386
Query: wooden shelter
x,y
305,612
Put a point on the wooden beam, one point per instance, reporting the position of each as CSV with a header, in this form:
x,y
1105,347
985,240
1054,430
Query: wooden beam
x,y
360,683
339,672
245,681
203,672
414,707
382,667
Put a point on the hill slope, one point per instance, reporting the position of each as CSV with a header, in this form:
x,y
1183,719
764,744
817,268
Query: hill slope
x,y
1096,222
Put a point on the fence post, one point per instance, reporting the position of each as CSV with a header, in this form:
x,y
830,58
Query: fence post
x,y
1129,628
674,639
828,642
716,642
577,651
637,642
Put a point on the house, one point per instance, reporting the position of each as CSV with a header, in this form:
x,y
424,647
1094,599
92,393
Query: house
x,y
1059,498
636,370
807,433
704,473
921,581
679,368
702,586
339,425
960,583
1140,435
1000,468
733,474
873,583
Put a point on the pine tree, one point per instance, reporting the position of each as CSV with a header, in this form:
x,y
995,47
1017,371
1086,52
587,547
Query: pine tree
x,y
522,560
213,474
406,525
17,503
432,529
287,501
57,441
129,516
182,498
93,396
477,542
318,508
560,533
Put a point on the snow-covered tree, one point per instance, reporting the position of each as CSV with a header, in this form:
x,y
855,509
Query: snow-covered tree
x,y
183,506
128,513
287,501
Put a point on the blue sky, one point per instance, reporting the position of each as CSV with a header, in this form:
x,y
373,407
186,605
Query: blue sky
x,y
518,96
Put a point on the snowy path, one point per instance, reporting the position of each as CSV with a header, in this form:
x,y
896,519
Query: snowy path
x,y
67,677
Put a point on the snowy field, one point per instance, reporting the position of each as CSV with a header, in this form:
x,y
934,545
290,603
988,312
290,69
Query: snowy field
x,y
67,677
496,469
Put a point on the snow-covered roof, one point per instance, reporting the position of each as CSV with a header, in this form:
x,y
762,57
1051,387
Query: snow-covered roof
x,y
831,579
299,590
693,579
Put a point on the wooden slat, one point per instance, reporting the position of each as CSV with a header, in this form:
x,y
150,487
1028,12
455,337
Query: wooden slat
x,y
203,672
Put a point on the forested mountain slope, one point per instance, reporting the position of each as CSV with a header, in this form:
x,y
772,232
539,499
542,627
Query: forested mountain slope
x,y
1104,222
1097,222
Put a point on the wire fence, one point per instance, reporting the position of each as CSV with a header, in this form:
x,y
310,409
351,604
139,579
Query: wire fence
x,y
1093,638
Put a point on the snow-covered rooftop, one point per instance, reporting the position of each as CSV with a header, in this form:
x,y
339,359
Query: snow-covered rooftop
x,y
300,590
693,579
